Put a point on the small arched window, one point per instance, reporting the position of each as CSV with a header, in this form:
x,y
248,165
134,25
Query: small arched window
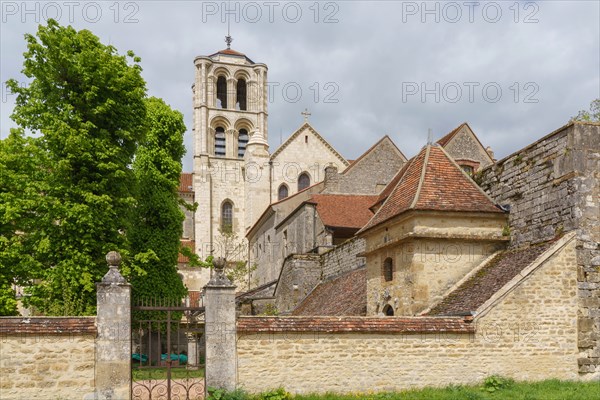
x,y
241,94
242,142
303,181
227,217
221,92
220,141
282,192
388,269
388,311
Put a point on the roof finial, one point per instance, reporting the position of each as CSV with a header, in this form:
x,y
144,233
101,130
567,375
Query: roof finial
x,y
228,40
429,136
306,114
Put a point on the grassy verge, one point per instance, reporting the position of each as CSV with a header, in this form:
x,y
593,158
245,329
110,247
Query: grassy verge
x,y
545,390
494,388
141,374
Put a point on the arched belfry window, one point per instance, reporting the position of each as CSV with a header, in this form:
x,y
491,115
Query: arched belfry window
x,y
221,92
227,217
388,270
242,142
241,95
220,141
283,192
303,181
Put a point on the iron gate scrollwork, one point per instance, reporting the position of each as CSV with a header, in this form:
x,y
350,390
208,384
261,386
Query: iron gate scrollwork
x,y
167,349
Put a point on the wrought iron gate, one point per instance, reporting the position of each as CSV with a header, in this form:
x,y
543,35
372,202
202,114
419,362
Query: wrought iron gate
x,y
167,346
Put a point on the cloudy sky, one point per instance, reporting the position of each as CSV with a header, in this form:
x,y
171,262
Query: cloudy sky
x,y
514,70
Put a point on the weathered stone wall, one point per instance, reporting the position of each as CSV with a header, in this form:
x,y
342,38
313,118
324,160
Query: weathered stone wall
x,y
47,358
307,153
430,252
553,186
299,275
465,146
369,174
530,334
343,258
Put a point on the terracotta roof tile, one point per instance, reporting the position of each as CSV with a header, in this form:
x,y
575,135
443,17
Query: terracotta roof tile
x,y
344,295
392,325
186,182
47,325
432,181
344,211
474,292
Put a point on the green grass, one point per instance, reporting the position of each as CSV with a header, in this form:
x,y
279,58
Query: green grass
x,y
545,390
141,374
493,388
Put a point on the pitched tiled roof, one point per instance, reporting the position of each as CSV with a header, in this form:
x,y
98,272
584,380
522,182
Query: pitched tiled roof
x,y
352,324
393,183
186,182
344,295
474,292
432,181
343,211
47,325
190,244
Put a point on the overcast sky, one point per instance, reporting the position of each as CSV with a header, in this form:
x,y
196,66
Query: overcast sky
x,y
515,71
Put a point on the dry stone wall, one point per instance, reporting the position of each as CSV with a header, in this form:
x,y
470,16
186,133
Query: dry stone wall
x,y
553,186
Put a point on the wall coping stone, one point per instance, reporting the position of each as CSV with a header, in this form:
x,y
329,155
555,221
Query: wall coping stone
x,y
252,324
47,325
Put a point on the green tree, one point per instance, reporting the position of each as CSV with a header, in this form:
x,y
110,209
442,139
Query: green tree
x,y
22,165
155,236
86,102
591,115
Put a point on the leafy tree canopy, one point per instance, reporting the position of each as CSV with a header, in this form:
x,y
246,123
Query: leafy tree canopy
x,y
68,193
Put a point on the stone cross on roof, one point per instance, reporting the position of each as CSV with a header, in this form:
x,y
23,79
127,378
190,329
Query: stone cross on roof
x,y
306,114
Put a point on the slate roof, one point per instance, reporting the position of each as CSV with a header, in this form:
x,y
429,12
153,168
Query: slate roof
x,y
343,211
432,181
186,182
474,292
344,295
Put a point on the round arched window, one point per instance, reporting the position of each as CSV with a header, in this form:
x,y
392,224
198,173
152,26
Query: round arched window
x,y
388,311
227,217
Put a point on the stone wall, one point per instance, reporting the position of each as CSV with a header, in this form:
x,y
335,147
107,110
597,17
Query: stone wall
x,y
47,358
343,258
370,174
528,334
299,275
553,186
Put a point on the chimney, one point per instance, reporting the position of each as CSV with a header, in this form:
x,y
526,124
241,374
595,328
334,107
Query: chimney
x,y
332,178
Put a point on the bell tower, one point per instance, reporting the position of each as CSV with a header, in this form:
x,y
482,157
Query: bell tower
x,y
230,108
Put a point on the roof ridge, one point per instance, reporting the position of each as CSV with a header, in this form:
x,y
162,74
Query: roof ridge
x,y
422,178
467,176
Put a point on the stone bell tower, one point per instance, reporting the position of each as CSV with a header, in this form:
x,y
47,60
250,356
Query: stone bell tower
x,y
229,122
